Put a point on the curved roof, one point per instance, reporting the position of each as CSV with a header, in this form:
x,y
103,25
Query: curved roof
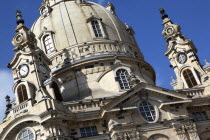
x,y
68,23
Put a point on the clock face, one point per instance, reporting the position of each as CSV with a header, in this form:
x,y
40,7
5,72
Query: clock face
x,y
19,38
43,69
24,69
182,58
170,30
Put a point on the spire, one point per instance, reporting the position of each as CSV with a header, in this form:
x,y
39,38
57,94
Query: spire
x,y
19,17
171,30
162,12
8,105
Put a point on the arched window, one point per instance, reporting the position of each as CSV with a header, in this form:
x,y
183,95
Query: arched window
x,y
96,28
44,11
147,111
22,93
57,92
26,134
123,79
189,78
48,44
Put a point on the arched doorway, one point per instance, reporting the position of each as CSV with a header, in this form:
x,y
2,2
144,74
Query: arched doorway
x,y
57,92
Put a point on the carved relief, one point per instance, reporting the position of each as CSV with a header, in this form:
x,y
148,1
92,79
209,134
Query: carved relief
x,y
133,79
191,129
186,128
128,135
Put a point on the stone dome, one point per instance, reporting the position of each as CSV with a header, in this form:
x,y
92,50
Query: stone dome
x,y
68,22
90,49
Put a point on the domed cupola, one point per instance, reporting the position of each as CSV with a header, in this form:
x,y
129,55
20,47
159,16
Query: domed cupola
x,y
89,47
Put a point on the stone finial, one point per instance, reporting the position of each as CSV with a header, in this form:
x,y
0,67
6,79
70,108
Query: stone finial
x,y
19,17
111,8
206,61
162,12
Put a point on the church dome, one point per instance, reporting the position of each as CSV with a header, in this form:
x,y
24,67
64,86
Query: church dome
x,y
69,23
89,47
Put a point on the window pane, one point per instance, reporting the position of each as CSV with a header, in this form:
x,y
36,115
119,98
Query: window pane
x,y
147,111
48,43
89,131
96,28
200,116
123,77
22,93
189,78
26,135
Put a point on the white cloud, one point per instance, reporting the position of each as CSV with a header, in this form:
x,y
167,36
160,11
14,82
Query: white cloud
x,y
6,83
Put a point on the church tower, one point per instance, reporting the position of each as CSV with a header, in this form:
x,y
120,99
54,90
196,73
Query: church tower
x,y
182,55
80,75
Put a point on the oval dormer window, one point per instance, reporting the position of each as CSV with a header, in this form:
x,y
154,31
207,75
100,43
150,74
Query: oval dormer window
x,y
44,11
148,111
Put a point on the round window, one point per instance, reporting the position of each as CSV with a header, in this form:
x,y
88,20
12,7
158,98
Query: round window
x,y
26,134
44,11
147,111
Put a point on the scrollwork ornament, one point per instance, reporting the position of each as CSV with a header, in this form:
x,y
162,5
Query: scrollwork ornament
x,y
144,95
128,135
180,131
191,129
133,79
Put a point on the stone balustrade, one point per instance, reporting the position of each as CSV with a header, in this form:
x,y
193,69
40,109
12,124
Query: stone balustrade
x,y
78,52
83,107
21,108
194,93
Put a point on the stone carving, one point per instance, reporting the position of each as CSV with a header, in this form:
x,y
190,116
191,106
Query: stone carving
x,y
186,128
191,128
133,79
128,135
180,130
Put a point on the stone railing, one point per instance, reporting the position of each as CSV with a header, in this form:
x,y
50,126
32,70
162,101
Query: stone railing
x,y
21,108
194,93
83,107
78,52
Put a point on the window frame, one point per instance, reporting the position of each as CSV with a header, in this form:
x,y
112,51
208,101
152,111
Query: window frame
x,y
202,114
189,78
99,20
42,37
48,46
29,89
22,93
91,131
196,76
155,108
118,80
27,128
48,11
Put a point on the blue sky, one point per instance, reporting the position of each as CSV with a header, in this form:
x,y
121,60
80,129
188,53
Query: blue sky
x,y
142,15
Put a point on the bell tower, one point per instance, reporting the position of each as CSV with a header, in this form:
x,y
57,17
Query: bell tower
x,y
30,66
182,55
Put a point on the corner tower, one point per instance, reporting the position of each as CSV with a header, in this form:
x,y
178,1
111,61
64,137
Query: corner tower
x,y
182,55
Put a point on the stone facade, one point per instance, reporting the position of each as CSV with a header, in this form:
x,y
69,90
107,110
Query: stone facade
x,y
79,75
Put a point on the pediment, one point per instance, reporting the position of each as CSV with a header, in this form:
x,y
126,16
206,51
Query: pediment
x,y
142,92
20,55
